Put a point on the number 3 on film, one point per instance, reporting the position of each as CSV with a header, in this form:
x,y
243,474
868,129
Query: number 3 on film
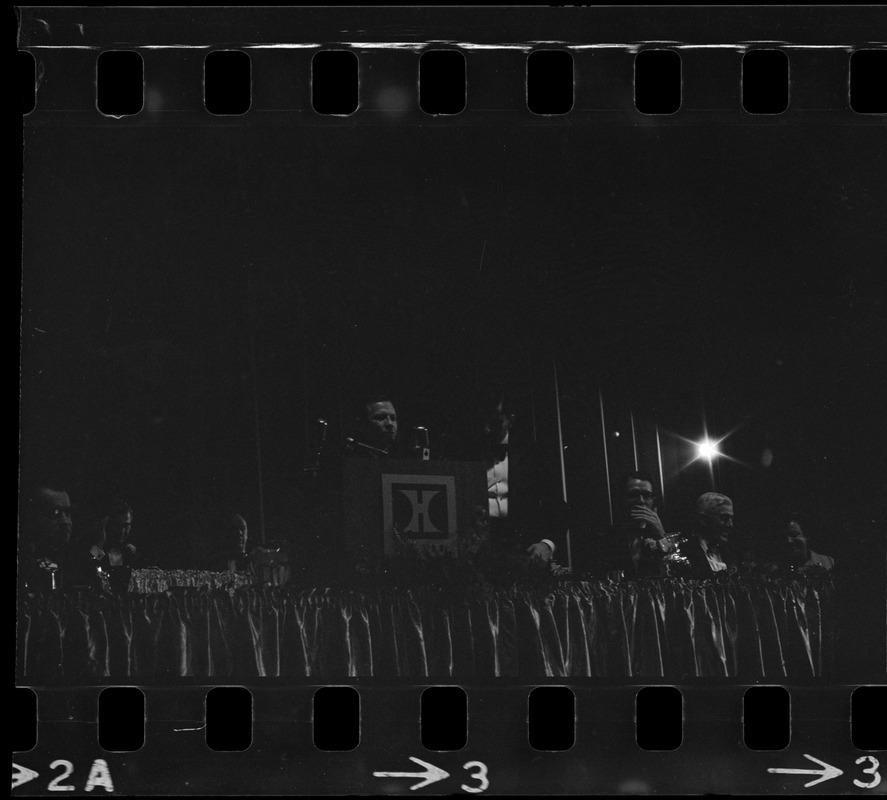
x,y
872,770
480,775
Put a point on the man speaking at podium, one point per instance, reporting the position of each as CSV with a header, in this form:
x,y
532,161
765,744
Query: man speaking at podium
x,y
378,430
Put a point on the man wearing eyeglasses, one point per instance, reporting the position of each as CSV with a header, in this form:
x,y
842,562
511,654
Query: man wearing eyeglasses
x,y
638,543
711,551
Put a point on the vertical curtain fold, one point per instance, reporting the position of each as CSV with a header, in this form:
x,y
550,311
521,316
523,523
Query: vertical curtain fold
x,y
743,628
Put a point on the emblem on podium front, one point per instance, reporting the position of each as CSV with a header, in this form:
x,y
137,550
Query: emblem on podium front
x,y
419,510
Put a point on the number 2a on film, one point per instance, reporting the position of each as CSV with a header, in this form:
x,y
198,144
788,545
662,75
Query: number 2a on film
x,y
99,776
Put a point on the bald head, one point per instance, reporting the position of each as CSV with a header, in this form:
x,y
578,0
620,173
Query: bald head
x,y
380,423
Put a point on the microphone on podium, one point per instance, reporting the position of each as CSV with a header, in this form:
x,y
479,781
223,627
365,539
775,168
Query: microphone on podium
x,y
420,439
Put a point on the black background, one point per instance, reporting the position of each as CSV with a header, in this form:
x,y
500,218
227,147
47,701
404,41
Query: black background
x,y
705,277
193,285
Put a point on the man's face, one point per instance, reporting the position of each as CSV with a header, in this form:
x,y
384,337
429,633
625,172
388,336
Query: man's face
x,y
795,539
498,423
718,522
52,518
240,534
637,493
118,527
382,419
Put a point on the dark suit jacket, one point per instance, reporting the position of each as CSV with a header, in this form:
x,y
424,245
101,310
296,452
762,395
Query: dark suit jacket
x,y
614,553
699,566
536,509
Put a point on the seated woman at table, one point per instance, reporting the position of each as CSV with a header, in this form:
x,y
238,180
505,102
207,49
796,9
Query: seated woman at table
x,y
793,553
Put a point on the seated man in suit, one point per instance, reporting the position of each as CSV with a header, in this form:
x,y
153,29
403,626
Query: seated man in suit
x,y
710,549
637,544
231,552
116,549
45,534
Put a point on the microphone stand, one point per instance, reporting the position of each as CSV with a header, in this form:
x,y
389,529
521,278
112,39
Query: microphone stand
x,y
352,443
314,466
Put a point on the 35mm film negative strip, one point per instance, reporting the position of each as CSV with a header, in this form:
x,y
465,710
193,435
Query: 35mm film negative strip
x,y
596,752
451,401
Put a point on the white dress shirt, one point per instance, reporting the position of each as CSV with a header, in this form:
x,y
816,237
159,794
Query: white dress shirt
x,y
714,559
497,490
497,486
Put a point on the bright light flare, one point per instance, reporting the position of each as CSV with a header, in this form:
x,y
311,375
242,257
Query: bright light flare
x,y
707,449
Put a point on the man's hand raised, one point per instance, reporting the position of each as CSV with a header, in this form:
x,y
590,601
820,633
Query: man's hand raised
x,y
655,529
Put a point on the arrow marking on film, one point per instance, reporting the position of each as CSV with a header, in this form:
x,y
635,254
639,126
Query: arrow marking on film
x,y
826,774
22,775
432,774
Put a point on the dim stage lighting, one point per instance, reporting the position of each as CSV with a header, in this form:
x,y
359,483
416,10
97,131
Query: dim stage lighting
x,y
707,449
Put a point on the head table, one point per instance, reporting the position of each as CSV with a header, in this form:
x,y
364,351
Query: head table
x,y
180,624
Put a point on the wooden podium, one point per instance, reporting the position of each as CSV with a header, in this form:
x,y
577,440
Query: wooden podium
x,y
389,503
